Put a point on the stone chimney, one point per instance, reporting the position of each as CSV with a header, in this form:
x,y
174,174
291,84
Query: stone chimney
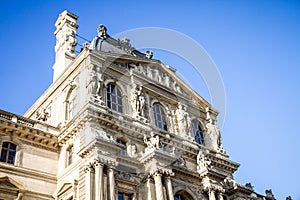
x,y
66,42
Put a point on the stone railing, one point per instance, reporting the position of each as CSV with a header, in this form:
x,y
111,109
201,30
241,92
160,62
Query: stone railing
x,y
27,122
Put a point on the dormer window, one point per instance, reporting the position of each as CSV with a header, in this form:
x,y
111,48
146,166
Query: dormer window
x,y
114,98
8,152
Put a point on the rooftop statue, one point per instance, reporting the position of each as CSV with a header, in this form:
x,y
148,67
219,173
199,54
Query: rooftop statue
x,y
102,31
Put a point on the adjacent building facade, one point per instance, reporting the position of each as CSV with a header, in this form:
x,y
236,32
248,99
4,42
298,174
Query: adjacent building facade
x,y
115,125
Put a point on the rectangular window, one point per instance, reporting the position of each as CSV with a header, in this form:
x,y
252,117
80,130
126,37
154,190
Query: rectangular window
x,y
8,152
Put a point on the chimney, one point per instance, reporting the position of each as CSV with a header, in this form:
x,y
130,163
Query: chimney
x,y
65,42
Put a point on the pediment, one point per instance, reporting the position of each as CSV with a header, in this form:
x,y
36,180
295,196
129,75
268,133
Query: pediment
x,y
63,188
162,75
8,183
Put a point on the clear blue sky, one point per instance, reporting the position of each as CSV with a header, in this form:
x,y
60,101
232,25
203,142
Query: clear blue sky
x,y
255,45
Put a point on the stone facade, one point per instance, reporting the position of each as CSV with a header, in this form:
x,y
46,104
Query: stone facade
x,y
115,124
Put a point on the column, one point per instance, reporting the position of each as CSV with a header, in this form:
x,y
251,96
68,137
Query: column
x,y
88,183
148,185
158,186
111,182
169,188
212,195
98,180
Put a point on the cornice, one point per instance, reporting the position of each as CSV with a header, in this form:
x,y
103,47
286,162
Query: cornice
x,y
28,130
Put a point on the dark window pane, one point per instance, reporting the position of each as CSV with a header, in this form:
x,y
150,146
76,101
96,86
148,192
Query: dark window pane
x,y
5,144
8,152
114,98
3,155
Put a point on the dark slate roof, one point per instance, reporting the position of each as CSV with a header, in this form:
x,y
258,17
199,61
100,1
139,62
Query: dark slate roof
x,y
112,45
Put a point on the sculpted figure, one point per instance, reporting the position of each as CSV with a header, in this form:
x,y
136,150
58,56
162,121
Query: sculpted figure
x,y
213,132
202,162
182,119
137,101
71,42
102,31
166,80
152,142
95,82
42,114
131,150
149,54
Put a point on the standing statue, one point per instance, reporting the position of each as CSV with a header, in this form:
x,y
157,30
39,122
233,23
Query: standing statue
x,y
102,31
182,119
212,137
95,83
137,101
213,132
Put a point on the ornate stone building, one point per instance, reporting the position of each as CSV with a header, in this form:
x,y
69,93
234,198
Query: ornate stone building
x,y
115,124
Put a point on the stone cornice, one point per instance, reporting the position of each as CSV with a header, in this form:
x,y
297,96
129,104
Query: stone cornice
x,y
28,130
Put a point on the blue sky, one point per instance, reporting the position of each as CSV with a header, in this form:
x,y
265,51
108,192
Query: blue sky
x,y
254,44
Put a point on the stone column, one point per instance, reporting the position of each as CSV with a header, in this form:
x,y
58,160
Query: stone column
x,y
158,186
111,182
98,180
88,183
169,188
211,194
148,185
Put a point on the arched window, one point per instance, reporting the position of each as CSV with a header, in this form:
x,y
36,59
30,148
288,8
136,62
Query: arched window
x,y
114,98
198,132
182,195
160,117
70,104
8,152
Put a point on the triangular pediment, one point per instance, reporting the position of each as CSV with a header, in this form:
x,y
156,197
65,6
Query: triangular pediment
x,y
63,188
6,182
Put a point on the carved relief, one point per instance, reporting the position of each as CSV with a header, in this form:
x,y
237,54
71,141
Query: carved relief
x,y
42,114
155,74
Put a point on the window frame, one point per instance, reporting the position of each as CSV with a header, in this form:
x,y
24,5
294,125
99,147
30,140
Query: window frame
x,y
197,132
114,98
160,119
9,150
